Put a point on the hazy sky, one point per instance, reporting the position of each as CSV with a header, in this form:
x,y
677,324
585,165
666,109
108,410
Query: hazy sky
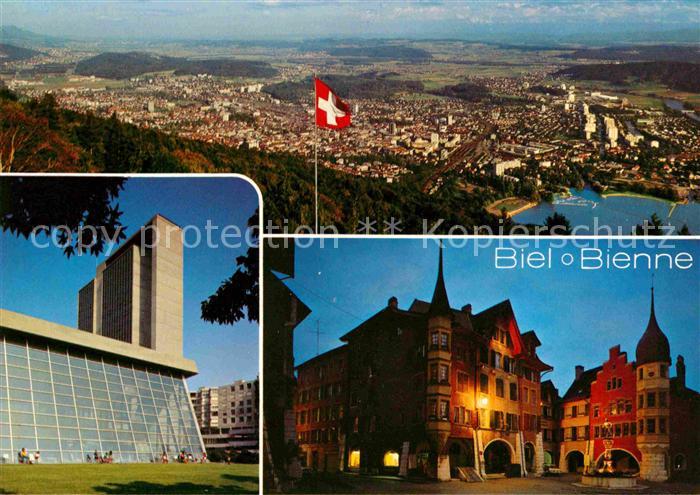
x,y
44,283
309,19
578,315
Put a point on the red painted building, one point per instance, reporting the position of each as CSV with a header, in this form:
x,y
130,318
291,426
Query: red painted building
x,y
613,399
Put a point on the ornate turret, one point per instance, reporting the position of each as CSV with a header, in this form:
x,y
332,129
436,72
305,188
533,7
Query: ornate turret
x,y
653,346
653,396
439,372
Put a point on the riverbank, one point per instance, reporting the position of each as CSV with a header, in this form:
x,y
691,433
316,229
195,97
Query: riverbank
x,y
631,194
622,211
513,206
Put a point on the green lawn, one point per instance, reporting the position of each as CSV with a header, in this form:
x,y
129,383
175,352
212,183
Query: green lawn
x,y
129,478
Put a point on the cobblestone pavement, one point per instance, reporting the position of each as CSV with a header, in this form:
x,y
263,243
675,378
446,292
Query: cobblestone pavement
x,y
346,483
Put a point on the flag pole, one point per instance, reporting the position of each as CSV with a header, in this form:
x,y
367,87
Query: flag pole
x,y
315,156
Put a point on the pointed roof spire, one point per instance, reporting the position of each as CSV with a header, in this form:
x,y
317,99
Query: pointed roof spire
x,y
653,346
440,305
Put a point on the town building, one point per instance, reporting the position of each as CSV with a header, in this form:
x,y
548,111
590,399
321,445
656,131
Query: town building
x,y
228,417
283,312
117,384
430,390
549,423
653,415
320,408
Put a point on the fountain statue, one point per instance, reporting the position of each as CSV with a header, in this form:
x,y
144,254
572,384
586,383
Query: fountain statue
x,y
605,476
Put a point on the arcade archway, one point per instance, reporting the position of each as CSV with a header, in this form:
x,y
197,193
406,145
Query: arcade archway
x,y
461,454
623,462
574,461
497,456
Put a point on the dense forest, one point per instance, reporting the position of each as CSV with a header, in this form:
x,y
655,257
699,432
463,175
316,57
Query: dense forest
x,y
367,85
463,91
682,76
112,65
36,135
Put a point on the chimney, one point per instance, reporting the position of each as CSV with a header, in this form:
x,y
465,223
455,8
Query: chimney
x,y
393,302
579,371
680,370
467,308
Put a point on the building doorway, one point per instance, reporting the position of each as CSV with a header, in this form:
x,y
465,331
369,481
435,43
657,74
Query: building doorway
x,y
574,462
529,456
623,462
497,457
354,460
548,459
461,454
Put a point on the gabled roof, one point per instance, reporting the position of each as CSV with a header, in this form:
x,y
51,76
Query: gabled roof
x,y
581,388
386,312
459,317
322,356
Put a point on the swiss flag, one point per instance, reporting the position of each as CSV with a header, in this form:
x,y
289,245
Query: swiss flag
x,y
331,111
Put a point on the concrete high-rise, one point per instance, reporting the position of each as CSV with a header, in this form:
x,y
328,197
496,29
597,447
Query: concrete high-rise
x,y
136,295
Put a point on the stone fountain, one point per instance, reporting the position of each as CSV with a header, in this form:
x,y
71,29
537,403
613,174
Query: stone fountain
x,y
606,476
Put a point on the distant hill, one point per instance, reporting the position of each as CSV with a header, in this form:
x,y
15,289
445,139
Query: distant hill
x,y
368,85
640,53
382,52
463,91
11,53
117,65
682,76
21,37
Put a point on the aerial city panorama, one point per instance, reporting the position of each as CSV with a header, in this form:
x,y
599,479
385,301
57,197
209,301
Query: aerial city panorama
x,y
349,246
461,114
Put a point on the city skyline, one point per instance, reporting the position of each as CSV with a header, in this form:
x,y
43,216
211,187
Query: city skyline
x,y
50,281
617,304
305,20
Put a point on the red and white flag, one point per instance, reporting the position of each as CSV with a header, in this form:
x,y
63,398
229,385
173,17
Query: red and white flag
x,y
331,111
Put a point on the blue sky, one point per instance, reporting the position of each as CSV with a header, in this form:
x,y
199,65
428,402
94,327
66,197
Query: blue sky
x,y
578,315
309,19
44,283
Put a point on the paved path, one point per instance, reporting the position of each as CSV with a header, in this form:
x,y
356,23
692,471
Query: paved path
x,y
554,485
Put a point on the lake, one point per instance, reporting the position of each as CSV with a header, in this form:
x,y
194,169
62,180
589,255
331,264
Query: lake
x,y
584,206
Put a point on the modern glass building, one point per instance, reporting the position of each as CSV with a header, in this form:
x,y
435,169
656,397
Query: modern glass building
x,y
69,392
68,401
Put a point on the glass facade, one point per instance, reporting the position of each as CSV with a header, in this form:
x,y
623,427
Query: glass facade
x,y
68,404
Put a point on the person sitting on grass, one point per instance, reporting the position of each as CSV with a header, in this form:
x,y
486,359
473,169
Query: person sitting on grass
x,y
24,457
37,456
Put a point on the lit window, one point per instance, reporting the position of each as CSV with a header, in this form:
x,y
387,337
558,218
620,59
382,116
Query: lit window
x,y
391,459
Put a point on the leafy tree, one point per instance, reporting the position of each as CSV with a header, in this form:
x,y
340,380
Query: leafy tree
x,y
238,296
66,207
558,224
